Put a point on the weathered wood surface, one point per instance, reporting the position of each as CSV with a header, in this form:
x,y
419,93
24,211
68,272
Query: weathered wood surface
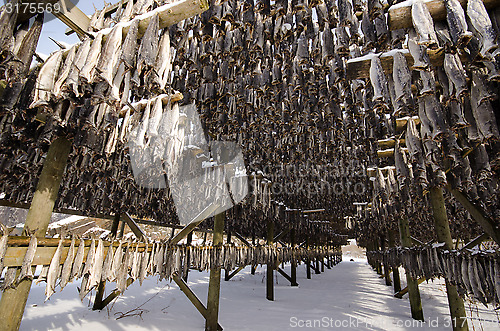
x,y
399,16
73,17
175,97
359,68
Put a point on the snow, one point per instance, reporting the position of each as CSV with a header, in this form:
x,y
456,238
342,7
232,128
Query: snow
x,y
351,294
65,221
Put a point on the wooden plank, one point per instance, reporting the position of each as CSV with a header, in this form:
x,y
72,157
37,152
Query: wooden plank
x,y
212,316
401,293
15,255
476,241
390,142
73,17
399,16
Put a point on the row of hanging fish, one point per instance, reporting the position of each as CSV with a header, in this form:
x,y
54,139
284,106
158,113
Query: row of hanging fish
x,y
119,261
476,273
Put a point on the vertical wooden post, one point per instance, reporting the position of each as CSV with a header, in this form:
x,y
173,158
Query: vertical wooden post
x,y
293,268
114,226
442,227
189,239
413,292
322,263
395,270
316,270
227,272
387,275
252,268
204,239
122,229
271,264
14,300
214,283
98,303
308,265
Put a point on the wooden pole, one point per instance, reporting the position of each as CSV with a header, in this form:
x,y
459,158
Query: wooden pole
x,y
293,268
308,262
214,283
189,239
227,272
413,292
442,227
270,264
14,300
395,270
252,268
387,274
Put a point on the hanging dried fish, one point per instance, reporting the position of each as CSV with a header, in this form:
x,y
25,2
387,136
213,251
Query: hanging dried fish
x,y
456,75
97,263
65,70
455,17
76,270
26,270
68,263
402,77
3,245
378,80
423,24
110,53
46,80
481,22
54,269
87,71
108,262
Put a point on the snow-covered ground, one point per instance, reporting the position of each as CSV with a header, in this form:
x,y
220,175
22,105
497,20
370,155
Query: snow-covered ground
x,y
348,296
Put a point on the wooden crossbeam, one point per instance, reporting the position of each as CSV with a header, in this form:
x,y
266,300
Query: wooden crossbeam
x,y
359,68
476,241
401,293
399,15
134,227
242,239
194,223
281,235
416,241
284,274
389,152
234,273
73,17
477,213
390,142
192,297
112,296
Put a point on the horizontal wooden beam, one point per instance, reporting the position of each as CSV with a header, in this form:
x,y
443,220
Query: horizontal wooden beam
x,y
359,68
389,152
402,121
390,143
399,15
234,273
175,97
168,15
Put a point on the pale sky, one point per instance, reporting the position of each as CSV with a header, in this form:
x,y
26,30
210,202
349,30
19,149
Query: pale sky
x,y
56,29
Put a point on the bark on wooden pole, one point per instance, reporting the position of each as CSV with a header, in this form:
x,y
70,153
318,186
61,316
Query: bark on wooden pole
x,y
395,270
214,283
413,292
271,264
227,272
14,300
442,227
252,268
